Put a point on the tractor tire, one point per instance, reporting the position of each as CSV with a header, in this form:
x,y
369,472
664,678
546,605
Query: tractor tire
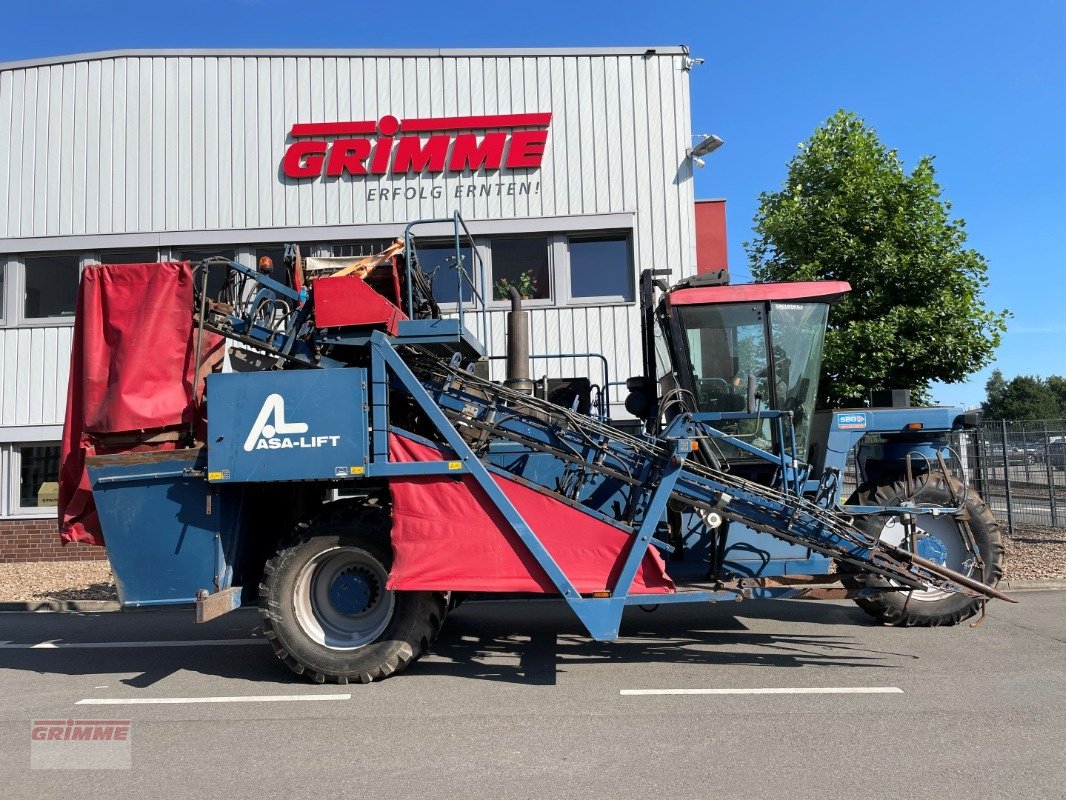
x,y
932,607
324,606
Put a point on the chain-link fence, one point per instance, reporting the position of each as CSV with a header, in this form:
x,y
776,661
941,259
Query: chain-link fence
x,y
1019,468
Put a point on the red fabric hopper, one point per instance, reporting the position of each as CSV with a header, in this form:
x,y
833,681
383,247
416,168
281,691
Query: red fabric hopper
x,y
348,300
447,536
131,372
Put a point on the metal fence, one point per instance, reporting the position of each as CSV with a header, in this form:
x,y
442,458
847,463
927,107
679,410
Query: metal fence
x,y
1019,468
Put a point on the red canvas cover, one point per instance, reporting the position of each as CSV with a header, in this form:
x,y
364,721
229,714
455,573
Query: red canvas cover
x,y
447,536
131,371
350,301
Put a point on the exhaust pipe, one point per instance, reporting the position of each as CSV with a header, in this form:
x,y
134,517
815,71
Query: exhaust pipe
x,y
517,345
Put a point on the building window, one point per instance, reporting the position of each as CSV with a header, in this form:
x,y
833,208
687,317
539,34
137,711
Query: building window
x,y
600,267
437,261
216,274
276,253
51,286
128,256
3,291
521,262
38,476
370,247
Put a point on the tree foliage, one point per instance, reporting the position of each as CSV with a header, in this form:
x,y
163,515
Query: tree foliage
x,y
849,211
1024,397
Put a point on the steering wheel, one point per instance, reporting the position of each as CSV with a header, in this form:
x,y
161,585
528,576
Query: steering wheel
x,y
711,391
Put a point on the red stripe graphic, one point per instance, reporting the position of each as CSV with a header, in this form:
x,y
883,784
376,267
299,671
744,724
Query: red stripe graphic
x,y
300,129
333,128
468,123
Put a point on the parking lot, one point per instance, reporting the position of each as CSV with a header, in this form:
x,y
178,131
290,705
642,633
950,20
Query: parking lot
x,y
809,700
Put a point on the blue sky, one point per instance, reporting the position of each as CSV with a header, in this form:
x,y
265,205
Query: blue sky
x,y
980,85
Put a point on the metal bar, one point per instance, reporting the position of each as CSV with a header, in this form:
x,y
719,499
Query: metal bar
x,y
1052,499
379,408
391,470
143,476
681,597
654,511
957,577
1006,477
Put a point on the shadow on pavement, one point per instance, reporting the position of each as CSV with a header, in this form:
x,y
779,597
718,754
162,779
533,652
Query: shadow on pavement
x,y
524,642
530,642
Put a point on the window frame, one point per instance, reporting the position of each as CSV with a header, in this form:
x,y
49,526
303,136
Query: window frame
x,y
94,257
478,251
12,463
553,299
23,321
626,235
8,266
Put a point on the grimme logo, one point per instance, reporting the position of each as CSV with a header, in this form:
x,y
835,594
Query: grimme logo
x,y
80,744
513,141
272,432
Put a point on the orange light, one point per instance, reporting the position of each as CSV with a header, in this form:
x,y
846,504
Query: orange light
x,y
694,445
914,426
601,594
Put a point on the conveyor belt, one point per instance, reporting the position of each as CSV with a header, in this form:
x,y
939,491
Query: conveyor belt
x,y
487,411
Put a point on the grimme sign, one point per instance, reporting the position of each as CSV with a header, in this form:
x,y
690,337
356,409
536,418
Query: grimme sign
x,y
436,145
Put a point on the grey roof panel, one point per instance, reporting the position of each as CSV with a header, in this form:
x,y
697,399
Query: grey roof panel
x,y
477,52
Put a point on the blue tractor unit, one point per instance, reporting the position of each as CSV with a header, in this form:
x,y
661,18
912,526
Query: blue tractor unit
x,y
358,472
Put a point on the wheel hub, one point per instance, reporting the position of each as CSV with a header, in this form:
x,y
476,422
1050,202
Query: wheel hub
x,y
353,592
932,549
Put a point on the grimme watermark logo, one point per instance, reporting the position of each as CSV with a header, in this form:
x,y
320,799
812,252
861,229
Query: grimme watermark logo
x,y
80,744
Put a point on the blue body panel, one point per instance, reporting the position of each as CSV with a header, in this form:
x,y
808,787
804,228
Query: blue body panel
x,y
169,534
286,426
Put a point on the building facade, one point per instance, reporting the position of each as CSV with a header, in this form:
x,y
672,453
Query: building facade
x,y
570,167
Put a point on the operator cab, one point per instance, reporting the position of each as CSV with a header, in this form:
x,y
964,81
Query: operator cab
x,y
746,348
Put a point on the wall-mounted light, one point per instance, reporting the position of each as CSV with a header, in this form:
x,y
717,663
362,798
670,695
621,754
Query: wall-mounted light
x,y
708,144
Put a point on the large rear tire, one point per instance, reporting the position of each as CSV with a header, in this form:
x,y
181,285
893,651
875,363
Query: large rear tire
x,y
325,608
941,538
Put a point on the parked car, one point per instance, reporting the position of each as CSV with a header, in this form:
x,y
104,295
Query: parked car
x,y
1056,455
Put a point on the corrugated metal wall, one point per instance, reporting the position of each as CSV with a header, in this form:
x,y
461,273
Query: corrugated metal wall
x,y
176,143
33,375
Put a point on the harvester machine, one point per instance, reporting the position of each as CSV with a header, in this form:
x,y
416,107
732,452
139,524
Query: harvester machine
x,y
349,465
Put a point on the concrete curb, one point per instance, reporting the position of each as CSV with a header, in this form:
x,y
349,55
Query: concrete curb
x,y
61,605
1022,586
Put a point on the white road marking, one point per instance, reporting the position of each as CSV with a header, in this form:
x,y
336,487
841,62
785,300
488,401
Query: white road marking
x,y
53,645
264,698
774,690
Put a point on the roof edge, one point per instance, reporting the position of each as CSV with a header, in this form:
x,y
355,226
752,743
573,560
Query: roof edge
x,y
467,52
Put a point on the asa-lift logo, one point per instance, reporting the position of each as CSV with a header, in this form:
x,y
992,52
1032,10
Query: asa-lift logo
x,y
272,431
436,145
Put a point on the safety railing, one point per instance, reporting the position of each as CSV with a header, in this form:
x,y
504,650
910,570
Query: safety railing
x,y
601,392
460,233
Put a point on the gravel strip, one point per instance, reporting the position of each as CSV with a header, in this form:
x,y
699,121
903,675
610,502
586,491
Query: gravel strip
x,y
1034,552
57,580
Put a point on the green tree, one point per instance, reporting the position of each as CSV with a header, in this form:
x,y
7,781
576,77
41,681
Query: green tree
x,y
849,211
1024,397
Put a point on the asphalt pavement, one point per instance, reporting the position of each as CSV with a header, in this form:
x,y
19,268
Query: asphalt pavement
x,y
793,699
